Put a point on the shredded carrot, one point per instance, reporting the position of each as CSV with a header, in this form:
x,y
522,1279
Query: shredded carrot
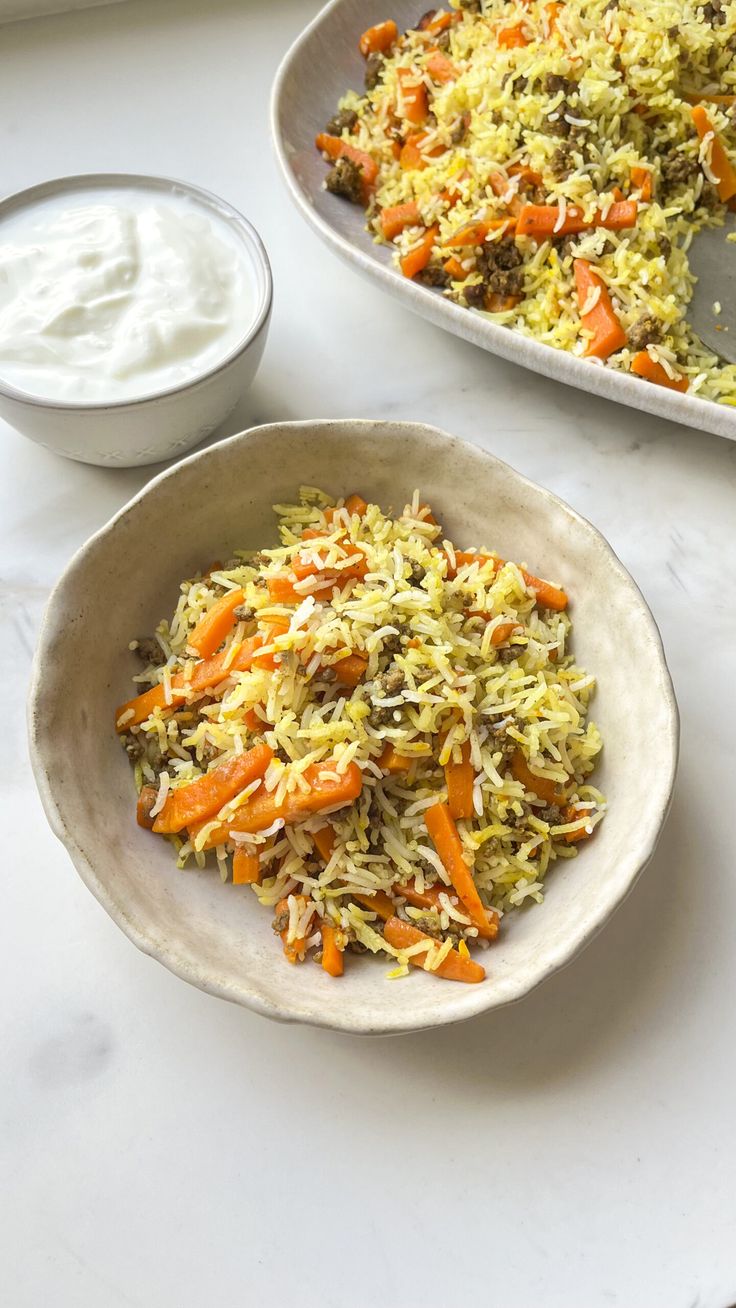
x,y
204,797
378,39
262,810
549,596
246,867
440,68
401,935
205,674
295,951
454,269
350,671
447,842
726,101
476,231
212,629
542,787
335,148
460,780
641,179
398,216
324,842
378,902
553,12
571,814
644,366
496,303
413,96
720,163
434,23
146,800
503,631
512,38
332,955
419,257
608,335
543,220
392,762
356,505
412,155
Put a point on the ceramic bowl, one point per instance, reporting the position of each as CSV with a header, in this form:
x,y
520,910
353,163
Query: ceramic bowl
x,y
166,423
321,65
126,578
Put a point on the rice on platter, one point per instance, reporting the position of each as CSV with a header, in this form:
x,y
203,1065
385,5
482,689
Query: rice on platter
x,y
549,163
385,736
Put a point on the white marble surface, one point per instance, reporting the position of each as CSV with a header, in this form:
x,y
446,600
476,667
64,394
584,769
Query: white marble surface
x,y
163,1150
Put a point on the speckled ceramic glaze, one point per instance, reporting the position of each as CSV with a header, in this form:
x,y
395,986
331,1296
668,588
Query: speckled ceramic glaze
x,y
127,433
126,578
321,65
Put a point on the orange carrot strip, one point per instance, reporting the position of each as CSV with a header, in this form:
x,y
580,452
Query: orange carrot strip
x,y
212,629
324,842
496,303
571,814
378,39
646,367
246,867
145,802
641,178
295,951
512,38
440,68
398,216
453,967
354,564
460,779
454,269
419,257
553,12
725,100
413,96
204,797
608,334
205,675
542,219
444,834
377,903
542,787
332,959
720,163
335,148
261,811
350,671
393,763
356,505
551,597
412,156
475,232
436,23
503,631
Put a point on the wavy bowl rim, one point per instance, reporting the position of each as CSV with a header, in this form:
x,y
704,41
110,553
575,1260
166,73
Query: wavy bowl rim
x,y
476,999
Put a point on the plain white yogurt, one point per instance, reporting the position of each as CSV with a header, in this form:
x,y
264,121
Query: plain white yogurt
x,y
115,294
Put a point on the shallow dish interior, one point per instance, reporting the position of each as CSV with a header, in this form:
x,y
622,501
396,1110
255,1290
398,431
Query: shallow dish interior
x,y
127,577
322,64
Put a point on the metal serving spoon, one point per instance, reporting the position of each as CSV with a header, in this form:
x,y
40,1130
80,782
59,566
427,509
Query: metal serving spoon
x,y
713,261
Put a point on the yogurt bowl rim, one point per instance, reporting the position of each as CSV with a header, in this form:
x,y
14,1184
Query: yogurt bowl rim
x,y
225,211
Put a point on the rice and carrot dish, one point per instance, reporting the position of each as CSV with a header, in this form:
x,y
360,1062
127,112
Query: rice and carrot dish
x,y
385,736
548,162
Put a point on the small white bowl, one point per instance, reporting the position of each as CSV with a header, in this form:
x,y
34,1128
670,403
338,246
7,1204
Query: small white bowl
x,y
166,423
127,577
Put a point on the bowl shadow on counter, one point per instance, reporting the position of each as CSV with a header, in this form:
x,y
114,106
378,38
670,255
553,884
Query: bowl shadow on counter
x,y
616,991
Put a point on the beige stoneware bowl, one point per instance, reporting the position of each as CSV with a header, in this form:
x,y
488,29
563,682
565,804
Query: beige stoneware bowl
x,y
126,578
